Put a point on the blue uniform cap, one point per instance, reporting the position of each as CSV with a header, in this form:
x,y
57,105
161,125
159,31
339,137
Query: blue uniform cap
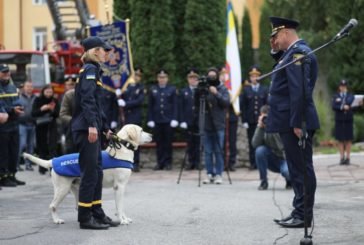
x,y
162,72
94,42
192,72
279,23
4,68
343,82
254,71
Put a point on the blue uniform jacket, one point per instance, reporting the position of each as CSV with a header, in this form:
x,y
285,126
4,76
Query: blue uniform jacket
x,y
9,98
88,110
110,106
134,98
67,165
252,102
338,103
187,109
162,104
286,92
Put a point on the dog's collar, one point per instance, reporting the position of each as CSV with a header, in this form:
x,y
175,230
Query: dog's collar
x,y
127,144
115,140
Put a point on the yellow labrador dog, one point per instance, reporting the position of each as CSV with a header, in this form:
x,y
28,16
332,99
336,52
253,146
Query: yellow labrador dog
x,y
117,164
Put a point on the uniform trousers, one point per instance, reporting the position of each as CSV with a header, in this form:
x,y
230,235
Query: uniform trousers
x,y
296,161
91,177
9,152
233,130
251,131
163,137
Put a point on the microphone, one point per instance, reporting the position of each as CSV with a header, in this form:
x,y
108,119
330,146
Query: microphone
x,y
352,23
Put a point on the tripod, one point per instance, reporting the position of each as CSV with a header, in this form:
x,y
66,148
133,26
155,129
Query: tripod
x,y
201,128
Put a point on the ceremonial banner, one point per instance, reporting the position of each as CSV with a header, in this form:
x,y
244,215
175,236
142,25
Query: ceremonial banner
x,y
233,68
118,66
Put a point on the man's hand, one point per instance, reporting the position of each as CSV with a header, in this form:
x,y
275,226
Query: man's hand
x,y
108,134
245,125
151,124
213,90
174,123
18,110
183,125
3,117
346,107
260,121
92,134
297,132
121,102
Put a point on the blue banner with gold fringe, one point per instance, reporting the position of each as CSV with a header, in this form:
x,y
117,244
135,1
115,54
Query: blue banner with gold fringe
x,y
118,66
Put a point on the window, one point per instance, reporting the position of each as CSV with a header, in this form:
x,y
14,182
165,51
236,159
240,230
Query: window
x,y
39,38
39,2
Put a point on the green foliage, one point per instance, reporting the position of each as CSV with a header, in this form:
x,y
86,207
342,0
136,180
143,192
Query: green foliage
x,y
326,116
121,9
246,54
358,128
205,33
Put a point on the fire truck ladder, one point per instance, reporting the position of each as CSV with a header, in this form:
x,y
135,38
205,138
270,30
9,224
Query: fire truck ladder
x,y
71,17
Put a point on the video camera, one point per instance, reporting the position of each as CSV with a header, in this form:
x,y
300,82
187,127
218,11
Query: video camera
x,y
204,82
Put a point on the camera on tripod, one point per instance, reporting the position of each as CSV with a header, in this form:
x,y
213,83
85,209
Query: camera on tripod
x,y
204,82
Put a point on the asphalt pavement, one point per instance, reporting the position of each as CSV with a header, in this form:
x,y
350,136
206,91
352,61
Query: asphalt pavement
x,y
167,213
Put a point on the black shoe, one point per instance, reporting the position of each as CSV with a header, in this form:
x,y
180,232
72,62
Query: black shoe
x,y
92,224
289,217
294,223
18,182
342,161
157,167
108,221
347,161
6,182
136,169
263,185
288,185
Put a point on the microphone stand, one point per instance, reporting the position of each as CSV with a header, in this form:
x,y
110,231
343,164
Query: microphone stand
x,y
307,239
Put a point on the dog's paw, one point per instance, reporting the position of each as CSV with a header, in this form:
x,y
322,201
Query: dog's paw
x,y
125,221
58,221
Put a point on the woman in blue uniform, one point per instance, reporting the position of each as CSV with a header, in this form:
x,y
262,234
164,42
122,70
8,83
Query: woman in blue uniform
x,y
341,104
88,122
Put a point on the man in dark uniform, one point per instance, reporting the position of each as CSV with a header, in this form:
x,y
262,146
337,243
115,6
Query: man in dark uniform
x,y
162,116
9,131
132,101
293,115
111,110
188,117
88,121
253,98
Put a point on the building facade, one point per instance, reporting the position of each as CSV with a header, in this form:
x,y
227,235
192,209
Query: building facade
x,y
28,25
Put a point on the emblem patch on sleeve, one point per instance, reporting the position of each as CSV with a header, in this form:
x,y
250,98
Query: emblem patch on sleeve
x,y
92,77
297,56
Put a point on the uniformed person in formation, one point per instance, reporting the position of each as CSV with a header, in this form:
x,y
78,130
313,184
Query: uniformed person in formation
x,y
132,102
88,122
293,115
188,118
341,104
253,98
162,116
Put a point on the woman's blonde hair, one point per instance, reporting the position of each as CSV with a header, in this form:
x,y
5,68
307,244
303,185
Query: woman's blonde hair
x,y
90,55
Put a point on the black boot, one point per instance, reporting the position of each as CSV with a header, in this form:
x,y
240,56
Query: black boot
x,y
263,185
6,182
92,224
18,182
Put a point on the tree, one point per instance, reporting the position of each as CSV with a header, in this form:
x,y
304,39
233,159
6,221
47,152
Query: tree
x,y
246,50
121,9
204,33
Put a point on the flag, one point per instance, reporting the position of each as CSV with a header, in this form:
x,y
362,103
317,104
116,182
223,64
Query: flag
x,y
233,68
118,67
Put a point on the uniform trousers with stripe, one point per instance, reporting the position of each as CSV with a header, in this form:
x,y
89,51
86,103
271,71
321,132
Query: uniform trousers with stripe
x,y
90,193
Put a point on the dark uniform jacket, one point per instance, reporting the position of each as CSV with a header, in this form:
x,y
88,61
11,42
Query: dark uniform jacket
x,y
133,97
162,104
188,112
88,109
286,98
10,98
110,106
252,102
338,102
27,103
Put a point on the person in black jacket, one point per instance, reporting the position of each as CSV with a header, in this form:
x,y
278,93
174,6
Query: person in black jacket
x,y
45,110
88,122
341,104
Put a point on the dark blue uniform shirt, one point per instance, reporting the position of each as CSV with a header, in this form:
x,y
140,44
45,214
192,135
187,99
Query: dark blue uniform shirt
x,y
187,109
338,102
162,104
286,98
88,110
251,103
133,97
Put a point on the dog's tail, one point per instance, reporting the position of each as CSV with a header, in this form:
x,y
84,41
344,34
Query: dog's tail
x,y
41,162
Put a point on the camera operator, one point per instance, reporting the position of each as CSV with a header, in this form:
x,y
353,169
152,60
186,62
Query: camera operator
x,y
269,152
217,102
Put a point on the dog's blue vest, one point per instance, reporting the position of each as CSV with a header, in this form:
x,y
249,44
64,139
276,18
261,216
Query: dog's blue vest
x,y
67,165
